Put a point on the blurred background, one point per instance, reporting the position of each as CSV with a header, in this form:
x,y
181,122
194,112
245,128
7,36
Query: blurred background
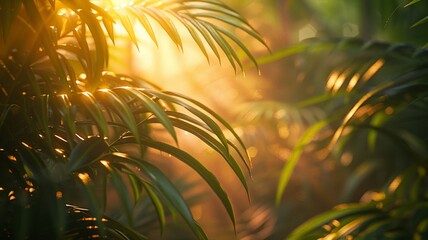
x,y
261,105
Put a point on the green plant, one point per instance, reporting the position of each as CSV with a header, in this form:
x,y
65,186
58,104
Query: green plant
x,y
71,130
376,107
372,96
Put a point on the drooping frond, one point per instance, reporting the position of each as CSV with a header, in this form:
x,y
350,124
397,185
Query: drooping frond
x,y
68,38
64,120
87,131
363,88
206,22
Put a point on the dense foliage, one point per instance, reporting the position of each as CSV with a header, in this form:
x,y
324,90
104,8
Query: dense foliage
x,y
363,103
71,131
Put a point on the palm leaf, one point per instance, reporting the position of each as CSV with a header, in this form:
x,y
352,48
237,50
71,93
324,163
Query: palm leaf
x,y
292,161
165,187
318,221
200,169
194,15
65,128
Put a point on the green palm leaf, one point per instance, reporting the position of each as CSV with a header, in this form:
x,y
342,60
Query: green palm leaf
x,y
65,121
195,16
166,188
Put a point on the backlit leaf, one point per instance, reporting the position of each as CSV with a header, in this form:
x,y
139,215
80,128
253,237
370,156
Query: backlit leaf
x,y
86,152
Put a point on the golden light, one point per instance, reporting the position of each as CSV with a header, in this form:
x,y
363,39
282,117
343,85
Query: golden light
x,y
394,184
353,82
58,195
11,195
372,196
332,80
284,131
335,223
119,154
346,159
82,76
59,150
104,90
92,227
327,227
252,151
330,236
26,145
62,139
84,177
121,3
339,82
87,94
373,69
106,164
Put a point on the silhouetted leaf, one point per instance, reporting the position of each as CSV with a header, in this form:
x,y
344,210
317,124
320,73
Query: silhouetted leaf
x,y
166,188
86,152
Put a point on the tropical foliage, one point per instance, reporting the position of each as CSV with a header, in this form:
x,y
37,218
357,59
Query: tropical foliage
x,y
71,130
374,106
363,103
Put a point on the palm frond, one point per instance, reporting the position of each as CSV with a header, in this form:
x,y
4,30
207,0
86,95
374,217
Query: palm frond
x,y
65,120
197,17
85,131
374,98
362,84
398,213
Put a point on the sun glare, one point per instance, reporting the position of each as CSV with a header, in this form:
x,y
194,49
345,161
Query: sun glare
x,y
120,3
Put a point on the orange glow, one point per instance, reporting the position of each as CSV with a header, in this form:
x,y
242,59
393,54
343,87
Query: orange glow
x,y
92,227
353,82
104,90
26,145
346,159
332,80
106,164
252,151
82,76
336,223
58,194
88,94
123,155
339,82
327,227
373,69
284,131
84,177
60,138
59,150
395,183
121,3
